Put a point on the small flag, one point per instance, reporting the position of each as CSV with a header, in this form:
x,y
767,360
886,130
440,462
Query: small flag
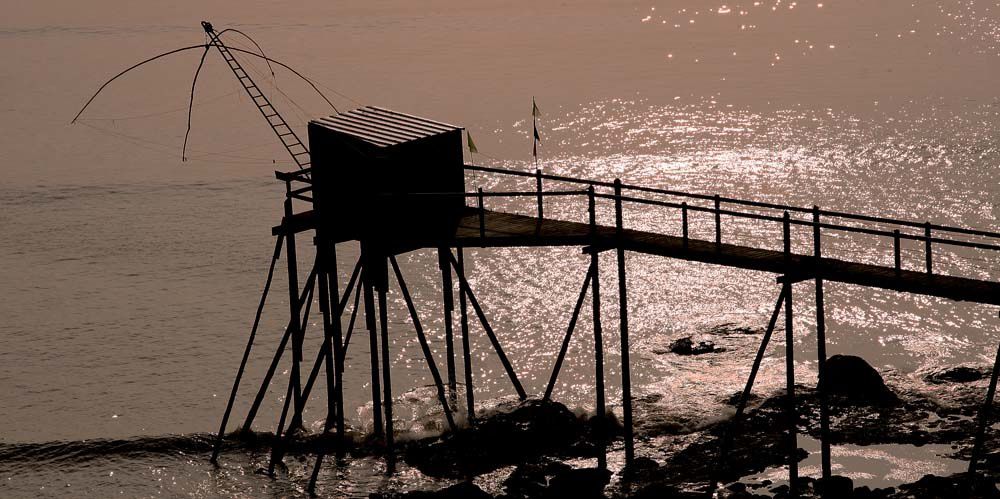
x,y
536,139
472,145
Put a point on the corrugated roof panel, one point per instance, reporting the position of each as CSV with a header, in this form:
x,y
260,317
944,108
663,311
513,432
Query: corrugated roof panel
x,y
383,127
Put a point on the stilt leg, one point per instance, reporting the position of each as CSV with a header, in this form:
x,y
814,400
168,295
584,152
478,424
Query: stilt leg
x,y
741,405
307,294
793,446
431,365
294,309
601,410
626,367
370,319
466,349
467,291
566,339
449,307
386,374
824,410
984,418
246,353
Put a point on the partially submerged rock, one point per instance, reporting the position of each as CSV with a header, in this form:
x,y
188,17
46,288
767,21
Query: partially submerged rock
x,y
532,429
947,487
854,381
958,374
687,346
462,490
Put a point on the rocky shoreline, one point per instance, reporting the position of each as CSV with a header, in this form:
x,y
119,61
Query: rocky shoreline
x,y
539,439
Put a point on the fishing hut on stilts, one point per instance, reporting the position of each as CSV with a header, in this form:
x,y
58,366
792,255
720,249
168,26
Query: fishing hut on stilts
x,y
397,183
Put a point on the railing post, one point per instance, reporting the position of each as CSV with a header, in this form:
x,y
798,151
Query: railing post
x,y
895,251
684,223
817,244
718,223
482,216
786,229
538,189
591,208
927,247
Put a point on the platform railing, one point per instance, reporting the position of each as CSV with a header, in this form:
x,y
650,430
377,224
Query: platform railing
x,y
930,234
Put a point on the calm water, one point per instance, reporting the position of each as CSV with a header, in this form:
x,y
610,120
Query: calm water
x,y
130,278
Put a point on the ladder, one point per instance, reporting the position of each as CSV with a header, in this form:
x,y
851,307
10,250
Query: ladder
x,y
287,136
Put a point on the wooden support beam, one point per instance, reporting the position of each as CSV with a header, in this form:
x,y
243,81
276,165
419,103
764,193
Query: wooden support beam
x,y
466,347
424,346
793,446
467,291
623,326
448,298
824,410
569,334
306,298
741,405
383,314
600,410
370,322
984,418
216,447
293,305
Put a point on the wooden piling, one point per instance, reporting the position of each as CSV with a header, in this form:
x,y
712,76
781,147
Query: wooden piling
x,y
896,252
793,446
984,418
595,293
216,447
424,346
366,280
623,322
741,405
508,367
293,302
447,296
470,402
306,298
569,334
824,410
386,365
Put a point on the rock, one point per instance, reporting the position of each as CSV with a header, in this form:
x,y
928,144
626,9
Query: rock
x,y
855,382
579,483
530,430
641,469
938,487
834,487
463,490
959,374
734,399
686,346
530,480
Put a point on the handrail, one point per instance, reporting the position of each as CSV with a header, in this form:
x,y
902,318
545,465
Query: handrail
x,y
727,200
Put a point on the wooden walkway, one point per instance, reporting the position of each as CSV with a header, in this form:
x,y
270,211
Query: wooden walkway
x,y
508,229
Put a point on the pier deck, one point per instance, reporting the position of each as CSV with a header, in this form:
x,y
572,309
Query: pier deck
x,y
509,229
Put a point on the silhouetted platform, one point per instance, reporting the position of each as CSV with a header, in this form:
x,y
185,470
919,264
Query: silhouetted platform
x,y
507,229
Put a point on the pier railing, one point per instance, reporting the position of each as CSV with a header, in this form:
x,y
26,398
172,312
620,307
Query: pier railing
x,y
786,216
